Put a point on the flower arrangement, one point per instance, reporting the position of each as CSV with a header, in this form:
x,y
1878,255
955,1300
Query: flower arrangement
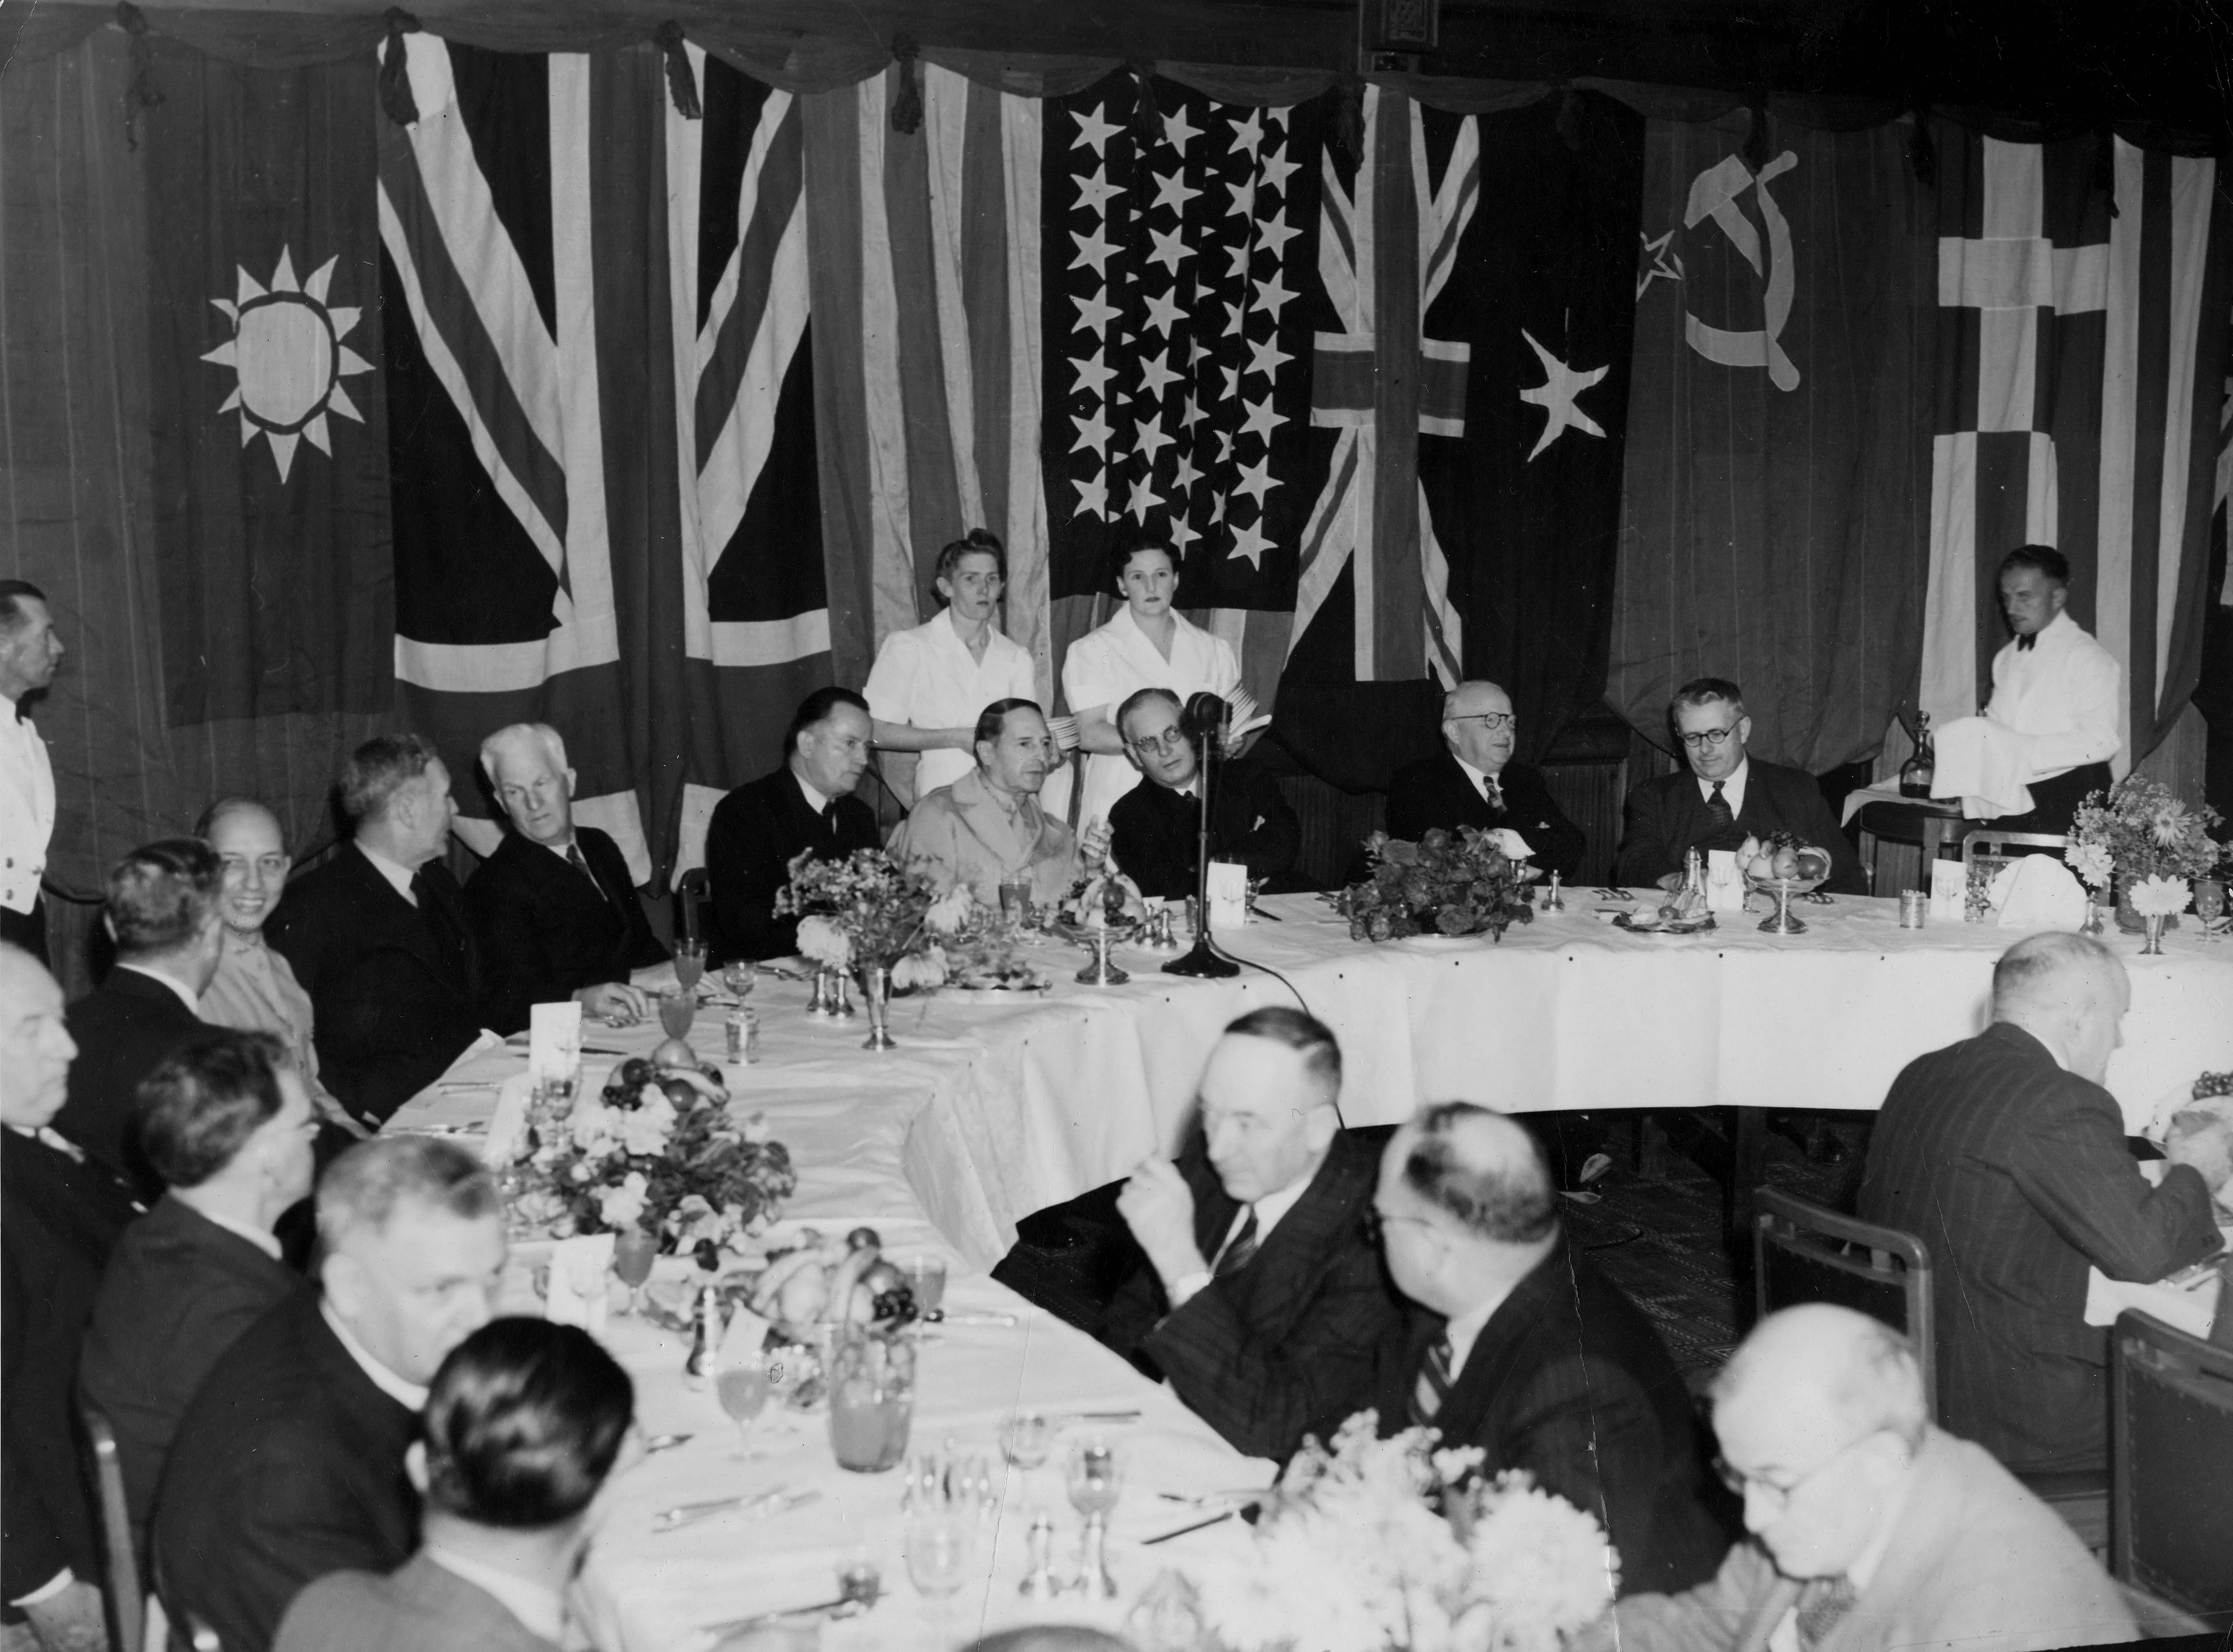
x,y
1447,883
863,911
1374,1543
2160,897
2140,830
658,1150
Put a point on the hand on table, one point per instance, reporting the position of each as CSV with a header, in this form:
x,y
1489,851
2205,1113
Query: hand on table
x,y
1158,1206
615,1002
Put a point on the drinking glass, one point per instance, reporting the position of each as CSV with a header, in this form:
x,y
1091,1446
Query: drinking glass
x,y
1025,1438
2209,900
689,964
739,976
940,1543
1096,1475
677,1011
925,1277
871,1400
1015,900
741,1383
633,1252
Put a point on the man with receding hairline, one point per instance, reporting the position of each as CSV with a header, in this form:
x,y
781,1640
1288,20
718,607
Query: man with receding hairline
x,y
987,828
1259,1295
1871,1529
1524,1348
2008,1158
1473,782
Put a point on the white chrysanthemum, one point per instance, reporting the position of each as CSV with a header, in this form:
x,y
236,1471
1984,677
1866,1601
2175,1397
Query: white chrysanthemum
x,y
824,942
595,1128
950,911
1540,1570
622,1207
2161,897
925,968
2092,862
645,1130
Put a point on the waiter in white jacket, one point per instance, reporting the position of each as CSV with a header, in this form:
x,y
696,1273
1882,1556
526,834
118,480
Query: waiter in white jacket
x,y
930,684
29,651
2057,687
1147,645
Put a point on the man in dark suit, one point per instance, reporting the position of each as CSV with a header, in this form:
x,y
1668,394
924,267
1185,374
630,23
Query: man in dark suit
x,y
525,1421
162,913
289,1464
1725,798
557,909
227,1122
2005,1156
1475,782
382,939
60,1211
1260,1297
807,804
1156,829
1527,1351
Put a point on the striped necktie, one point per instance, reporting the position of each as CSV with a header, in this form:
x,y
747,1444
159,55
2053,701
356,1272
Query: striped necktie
x,y
1718,807
1493,792
1822,1606
1432,1390
1240,1251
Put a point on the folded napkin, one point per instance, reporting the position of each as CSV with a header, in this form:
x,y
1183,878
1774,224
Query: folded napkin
x,y
1513,845
1985,765
2040,894
506,1142
575,1294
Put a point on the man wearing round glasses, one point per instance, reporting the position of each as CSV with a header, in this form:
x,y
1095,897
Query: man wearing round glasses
x,y
1473,782
1155,829
1871,1528
1725,797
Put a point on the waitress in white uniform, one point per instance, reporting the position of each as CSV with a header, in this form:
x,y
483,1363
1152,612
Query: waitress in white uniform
x,y
929,684
1147,645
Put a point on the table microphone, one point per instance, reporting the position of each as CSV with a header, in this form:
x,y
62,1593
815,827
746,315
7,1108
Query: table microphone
x,y
1203,719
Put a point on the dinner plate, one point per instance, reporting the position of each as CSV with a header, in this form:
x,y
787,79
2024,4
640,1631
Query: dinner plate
x,y
1662,925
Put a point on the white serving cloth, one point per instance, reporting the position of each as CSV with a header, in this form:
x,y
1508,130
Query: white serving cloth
x,y
1985,765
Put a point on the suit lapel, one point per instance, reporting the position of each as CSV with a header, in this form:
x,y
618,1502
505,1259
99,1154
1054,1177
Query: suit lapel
x,y
1521,1315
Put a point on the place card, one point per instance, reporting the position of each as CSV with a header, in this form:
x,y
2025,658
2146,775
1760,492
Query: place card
x,y
1725,890
506,1141
575,1293
554,1040
1228,895
1949,891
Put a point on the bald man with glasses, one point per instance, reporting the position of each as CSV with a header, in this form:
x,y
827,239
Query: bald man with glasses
x,y
1724,798
1473,782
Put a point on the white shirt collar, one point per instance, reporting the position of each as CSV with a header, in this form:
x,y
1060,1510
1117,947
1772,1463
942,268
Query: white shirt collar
x,y
398,875
540,1610
1732,789
186,995
409,1395
815,800
1479,777
563,851
1271,1207
15,712
1465,1330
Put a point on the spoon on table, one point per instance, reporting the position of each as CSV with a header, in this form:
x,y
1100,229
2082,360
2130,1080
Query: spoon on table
x,y
861,1585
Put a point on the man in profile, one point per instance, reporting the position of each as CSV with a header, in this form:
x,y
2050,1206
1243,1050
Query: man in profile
x,y
1156,829
1725,797
1259,1295
382,939
1475,782
226,1120
2008,1158
806,804
289,1464
30,653
555,902
987,828
523,1422
162,913
1872,1530
1526,1350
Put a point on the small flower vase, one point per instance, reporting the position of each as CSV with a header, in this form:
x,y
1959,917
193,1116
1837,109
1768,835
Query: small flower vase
x,y
2093,925
876,989
2154,923
2129,921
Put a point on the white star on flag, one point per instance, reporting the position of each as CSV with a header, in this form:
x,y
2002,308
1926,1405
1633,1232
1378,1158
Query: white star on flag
x,y
1273,296
1092,376
1264,356
1151,437
1092,129
1249,544
1217,507
1231,377
1095,193
1094,312
1244,199
1236,258
1182,534
1194,414
1163,312
1256,480
1171,190
1092,495
1249,134
1232,314
1093,250
1092,432
1278,169
1261,420
1177,130
1224,446
1272,232
1158,376
1556,396
1170,247
1188,476
1143,496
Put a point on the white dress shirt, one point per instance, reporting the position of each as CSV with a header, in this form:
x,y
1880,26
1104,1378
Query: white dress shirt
x,y
2064,694
1269,1209
927,677
1732,789
26,808
1479,778
1105,664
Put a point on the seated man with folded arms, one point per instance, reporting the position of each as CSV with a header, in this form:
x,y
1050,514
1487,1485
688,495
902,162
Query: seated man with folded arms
x,y
226,1122
1155,829
556,907
523,1422
289,1463
1872,1529
1259,1295
987,828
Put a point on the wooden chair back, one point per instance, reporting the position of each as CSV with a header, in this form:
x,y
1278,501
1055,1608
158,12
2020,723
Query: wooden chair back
x,y
1803,1252
120,1579
2170,1463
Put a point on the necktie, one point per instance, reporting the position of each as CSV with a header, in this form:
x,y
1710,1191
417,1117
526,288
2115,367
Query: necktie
x,y
1822,1606
2024,643
1494,792
1718,807
828,819
1240,1250
1429,1393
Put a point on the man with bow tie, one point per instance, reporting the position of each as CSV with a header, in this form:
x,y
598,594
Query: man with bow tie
x,y
1474,782
29,652
1258,1294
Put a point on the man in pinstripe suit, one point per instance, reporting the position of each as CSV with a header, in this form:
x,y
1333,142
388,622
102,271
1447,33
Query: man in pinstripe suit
x,y
2005,1156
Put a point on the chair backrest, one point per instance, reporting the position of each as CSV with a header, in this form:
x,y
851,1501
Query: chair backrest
x,y
126,1601
2170,1464
1995,845
1803,1252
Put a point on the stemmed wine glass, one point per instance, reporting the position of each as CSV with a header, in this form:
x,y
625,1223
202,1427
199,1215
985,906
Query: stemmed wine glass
x,y
739,976
740,1383
689,964
633,1252
1096,1476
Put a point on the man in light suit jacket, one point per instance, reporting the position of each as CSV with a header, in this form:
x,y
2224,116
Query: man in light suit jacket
x,y
1725,797
1872,1530
1527,1351
557,909
162,913
2005,1156
988,827
290,1463
1260,1295
524,1421
29,652
1474,782
382,939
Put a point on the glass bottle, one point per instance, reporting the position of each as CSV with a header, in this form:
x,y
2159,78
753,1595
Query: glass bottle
x,y
1915,774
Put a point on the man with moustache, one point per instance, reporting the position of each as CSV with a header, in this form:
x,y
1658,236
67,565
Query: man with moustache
x,y
987,828
1155,828
1475,782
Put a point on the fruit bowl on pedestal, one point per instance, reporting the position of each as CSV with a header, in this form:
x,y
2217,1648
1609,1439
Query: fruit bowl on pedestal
x,y
1780,922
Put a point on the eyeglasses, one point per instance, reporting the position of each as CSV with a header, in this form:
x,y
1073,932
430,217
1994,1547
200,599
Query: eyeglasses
x,y
1171,739
1712,740
1780,1496
1494,720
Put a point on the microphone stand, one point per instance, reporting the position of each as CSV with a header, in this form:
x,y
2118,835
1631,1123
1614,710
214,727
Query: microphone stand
x,y
1203,959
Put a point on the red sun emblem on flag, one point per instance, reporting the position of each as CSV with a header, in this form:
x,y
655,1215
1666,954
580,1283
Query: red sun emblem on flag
x,y
287,352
